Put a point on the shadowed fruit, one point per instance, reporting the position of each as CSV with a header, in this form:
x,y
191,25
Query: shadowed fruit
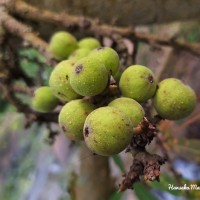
x,y
44,100
59,81
79,53
62,44
72,117
174,100
107,131
138,82
109,57
130,107
89,43
89,77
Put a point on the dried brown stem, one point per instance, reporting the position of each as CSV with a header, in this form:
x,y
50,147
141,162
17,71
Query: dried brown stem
x,y
30,12
33,13
151,39
145,166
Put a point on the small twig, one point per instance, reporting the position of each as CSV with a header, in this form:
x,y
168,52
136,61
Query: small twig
x,y
150,39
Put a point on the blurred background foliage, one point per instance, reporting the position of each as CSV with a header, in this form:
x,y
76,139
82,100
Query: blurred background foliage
x,y
32,169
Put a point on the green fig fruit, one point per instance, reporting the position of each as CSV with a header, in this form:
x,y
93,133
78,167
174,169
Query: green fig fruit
x,y
138,82
59,81
107,131
174,100
89,43
44,100
109,57
62,44
72,117
89,77
130,107
79,53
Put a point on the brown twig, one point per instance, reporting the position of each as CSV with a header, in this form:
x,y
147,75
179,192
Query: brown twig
x,y
22,89
93,26
145,166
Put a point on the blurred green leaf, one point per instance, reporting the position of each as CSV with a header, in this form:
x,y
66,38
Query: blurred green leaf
x,y
32,54
33,63
118,161
143,192
30,68
3,105
116,196
46,74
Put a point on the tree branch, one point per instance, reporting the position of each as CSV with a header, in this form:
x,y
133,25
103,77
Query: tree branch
x,y
135,12
93,26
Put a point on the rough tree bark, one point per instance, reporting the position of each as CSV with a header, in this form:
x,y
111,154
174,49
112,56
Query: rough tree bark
x,y
127,12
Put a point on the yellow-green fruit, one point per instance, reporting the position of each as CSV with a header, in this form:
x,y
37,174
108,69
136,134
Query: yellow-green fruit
x,y
59,81
138,82
109,57
130,107
107,131
79,53
89,43
72,117
62,44
89,77
174,100
44,100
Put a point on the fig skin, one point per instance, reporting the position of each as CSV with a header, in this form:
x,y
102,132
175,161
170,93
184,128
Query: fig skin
x,y
44,100
174,100
109,57
72,117
107,131
89,43
79,53
59,81
138,82
89,77
130,107
62,44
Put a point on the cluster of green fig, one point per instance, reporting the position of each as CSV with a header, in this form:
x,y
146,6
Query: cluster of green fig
x,y
84,71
